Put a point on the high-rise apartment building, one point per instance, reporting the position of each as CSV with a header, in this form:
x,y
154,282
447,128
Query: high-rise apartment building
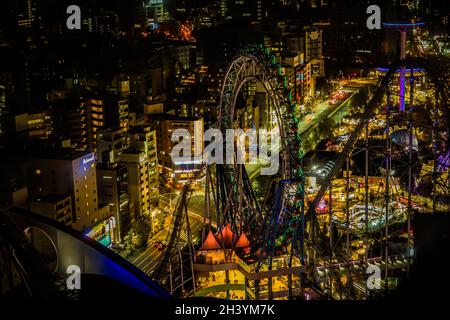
x,y
95,120
137,165
143,138
111,143
65,172
57,207
70,121
39,125
112,184
172,174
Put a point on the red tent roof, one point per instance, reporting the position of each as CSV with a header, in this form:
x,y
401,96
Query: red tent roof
x,y
242,242
226,237
210,243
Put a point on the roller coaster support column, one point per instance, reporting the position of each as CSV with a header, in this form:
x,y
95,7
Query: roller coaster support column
x,y
190,246
387,199
181,269
269,287
435,150
227,281
403,28
347,224
366,206
290,286
170,277
256,289
410,164
330,216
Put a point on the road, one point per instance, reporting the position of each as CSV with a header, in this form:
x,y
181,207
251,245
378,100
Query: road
x,y
324,109
147,259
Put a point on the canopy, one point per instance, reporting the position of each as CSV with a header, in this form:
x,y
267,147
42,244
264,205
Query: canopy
x,y
210,243
242,241
226,237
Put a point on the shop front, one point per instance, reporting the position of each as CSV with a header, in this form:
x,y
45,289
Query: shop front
x,y
103,232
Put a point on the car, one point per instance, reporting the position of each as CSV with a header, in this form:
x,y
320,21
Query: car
x,y
156,243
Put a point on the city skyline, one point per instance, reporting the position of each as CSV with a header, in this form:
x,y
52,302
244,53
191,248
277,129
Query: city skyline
x,y
97,98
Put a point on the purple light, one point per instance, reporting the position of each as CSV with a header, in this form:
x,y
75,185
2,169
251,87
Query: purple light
x,y
381,69
402,90
443,162
322,205
403,26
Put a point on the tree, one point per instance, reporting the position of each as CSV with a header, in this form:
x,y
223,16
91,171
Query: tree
x,y
326,127
257,190
361,97
323,86
128,244
143,227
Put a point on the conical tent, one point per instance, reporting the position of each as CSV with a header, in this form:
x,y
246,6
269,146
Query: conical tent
x,y
226,237
210,243
242,242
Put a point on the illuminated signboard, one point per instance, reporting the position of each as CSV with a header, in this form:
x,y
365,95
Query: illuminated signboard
x,y
155,2
89,160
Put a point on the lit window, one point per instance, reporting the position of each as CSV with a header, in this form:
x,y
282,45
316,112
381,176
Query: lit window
x,y
38,171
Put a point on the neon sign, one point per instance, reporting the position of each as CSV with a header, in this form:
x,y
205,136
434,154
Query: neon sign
x,y
89,160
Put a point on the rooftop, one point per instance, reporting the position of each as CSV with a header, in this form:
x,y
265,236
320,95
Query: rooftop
x,y
59,154
51,198
165,116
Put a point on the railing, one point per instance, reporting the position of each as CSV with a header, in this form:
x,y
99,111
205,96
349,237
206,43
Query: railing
x,y
360,261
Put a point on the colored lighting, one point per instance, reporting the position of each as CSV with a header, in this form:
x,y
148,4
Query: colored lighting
x,y
404,24
398,70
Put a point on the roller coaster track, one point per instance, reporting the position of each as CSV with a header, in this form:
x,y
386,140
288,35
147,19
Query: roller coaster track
x,y
253,65
437,79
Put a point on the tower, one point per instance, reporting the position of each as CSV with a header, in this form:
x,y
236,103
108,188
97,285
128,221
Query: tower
x,y
403,28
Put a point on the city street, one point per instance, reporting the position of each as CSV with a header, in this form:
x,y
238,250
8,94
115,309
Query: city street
x,y
148,258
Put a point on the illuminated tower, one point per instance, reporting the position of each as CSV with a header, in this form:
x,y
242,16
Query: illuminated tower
x,y
403,28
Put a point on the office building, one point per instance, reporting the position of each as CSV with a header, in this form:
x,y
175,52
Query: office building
x,y
112,184
173,175
57,207
68,172
137,165
111,143
143,138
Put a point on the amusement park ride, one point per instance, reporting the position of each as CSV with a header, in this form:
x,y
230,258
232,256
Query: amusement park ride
x,y
282,246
